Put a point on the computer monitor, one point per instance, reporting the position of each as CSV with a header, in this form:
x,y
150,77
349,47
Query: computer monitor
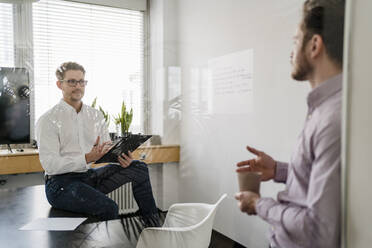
x,y
14,106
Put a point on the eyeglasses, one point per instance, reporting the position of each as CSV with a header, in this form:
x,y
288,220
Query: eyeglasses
x,y
73,82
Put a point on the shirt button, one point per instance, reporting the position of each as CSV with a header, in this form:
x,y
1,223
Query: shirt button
x,y
309,117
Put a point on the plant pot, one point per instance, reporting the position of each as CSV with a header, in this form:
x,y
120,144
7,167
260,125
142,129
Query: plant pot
x,y
113,136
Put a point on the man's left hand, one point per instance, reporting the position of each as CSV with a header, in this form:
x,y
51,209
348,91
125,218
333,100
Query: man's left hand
x,y
247,201
125,160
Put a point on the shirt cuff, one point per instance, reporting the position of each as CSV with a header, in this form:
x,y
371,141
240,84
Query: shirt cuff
x,y
281,171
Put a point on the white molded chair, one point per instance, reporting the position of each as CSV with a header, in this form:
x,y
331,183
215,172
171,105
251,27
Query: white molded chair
x,y
187,225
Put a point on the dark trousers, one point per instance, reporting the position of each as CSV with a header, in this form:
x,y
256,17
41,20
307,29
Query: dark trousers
x,y
86,192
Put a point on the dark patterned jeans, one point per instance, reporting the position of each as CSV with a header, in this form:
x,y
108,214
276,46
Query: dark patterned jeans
x,y
86,192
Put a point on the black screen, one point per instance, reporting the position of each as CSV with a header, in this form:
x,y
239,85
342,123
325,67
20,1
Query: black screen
x,y
14,106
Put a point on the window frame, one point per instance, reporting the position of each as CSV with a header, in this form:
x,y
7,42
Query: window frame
x,y
23,32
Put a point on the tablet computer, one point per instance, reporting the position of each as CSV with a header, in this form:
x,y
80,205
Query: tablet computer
x,y
129,142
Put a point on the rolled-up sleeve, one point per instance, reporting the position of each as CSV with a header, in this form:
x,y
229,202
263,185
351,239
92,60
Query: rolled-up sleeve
x,y
315,224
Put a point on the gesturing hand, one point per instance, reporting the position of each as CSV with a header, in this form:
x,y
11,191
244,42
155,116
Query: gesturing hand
x,y
125,160
98,150
263,163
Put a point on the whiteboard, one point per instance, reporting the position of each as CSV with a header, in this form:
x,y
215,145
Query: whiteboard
x,y
231,83
267,113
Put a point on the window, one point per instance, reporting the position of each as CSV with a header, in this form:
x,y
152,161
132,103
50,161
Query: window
x,y
107,41
6,37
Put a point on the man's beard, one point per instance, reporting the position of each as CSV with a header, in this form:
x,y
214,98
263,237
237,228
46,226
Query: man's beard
x,y
302,68
77,98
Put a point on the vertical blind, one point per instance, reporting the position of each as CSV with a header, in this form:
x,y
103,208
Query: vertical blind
x,y
108,42
6,37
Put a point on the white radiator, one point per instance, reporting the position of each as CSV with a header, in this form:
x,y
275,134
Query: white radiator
x,y
123,196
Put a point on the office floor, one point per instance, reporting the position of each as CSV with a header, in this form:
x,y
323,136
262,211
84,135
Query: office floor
x,y
219,240
23,180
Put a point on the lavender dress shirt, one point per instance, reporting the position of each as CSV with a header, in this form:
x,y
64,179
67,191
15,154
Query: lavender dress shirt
x,y
307,212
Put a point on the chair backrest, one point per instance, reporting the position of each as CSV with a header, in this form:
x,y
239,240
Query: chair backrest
x,y
186,225
187,214
203,230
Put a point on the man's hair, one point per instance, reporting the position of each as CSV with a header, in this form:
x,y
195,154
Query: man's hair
x,y
61,70
325,18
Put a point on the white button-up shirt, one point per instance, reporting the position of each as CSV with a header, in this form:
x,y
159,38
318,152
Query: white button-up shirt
x,y
65,136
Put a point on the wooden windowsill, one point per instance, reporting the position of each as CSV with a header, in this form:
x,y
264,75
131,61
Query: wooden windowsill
x,y
27,151
28,160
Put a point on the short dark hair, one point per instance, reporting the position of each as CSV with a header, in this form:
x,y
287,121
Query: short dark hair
x,y
60,72
325,18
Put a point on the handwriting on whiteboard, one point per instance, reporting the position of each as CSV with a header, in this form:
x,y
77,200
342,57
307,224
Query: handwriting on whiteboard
x,y
232,83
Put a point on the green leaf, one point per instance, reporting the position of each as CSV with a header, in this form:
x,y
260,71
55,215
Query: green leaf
x,y
105,114
124,118
94,103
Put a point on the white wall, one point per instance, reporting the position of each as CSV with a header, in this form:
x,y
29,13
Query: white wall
x,y
163,51
358,127
211,143
163,56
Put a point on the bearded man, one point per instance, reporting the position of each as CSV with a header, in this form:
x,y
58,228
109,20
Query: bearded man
x,y
307,212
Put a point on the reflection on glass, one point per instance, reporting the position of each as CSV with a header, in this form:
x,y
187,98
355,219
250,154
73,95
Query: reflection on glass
x,y
14,106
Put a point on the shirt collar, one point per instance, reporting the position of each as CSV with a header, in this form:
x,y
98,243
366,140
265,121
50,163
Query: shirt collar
x,y
324,91
67,106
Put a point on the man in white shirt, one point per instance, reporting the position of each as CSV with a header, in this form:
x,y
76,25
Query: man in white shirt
x,y
71,137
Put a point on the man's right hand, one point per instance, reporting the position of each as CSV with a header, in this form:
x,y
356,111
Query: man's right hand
x,y
263,163
98,150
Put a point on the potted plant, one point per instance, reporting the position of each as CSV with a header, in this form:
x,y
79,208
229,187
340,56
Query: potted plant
x,y
106,116
124,119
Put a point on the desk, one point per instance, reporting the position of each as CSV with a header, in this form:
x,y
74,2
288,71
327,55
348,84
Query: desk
x,y
21,205
28,160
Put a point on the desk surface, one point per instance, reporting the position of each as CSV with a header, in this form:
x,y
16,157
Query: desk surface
x,y
31,151
26,151
28,160
22,205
